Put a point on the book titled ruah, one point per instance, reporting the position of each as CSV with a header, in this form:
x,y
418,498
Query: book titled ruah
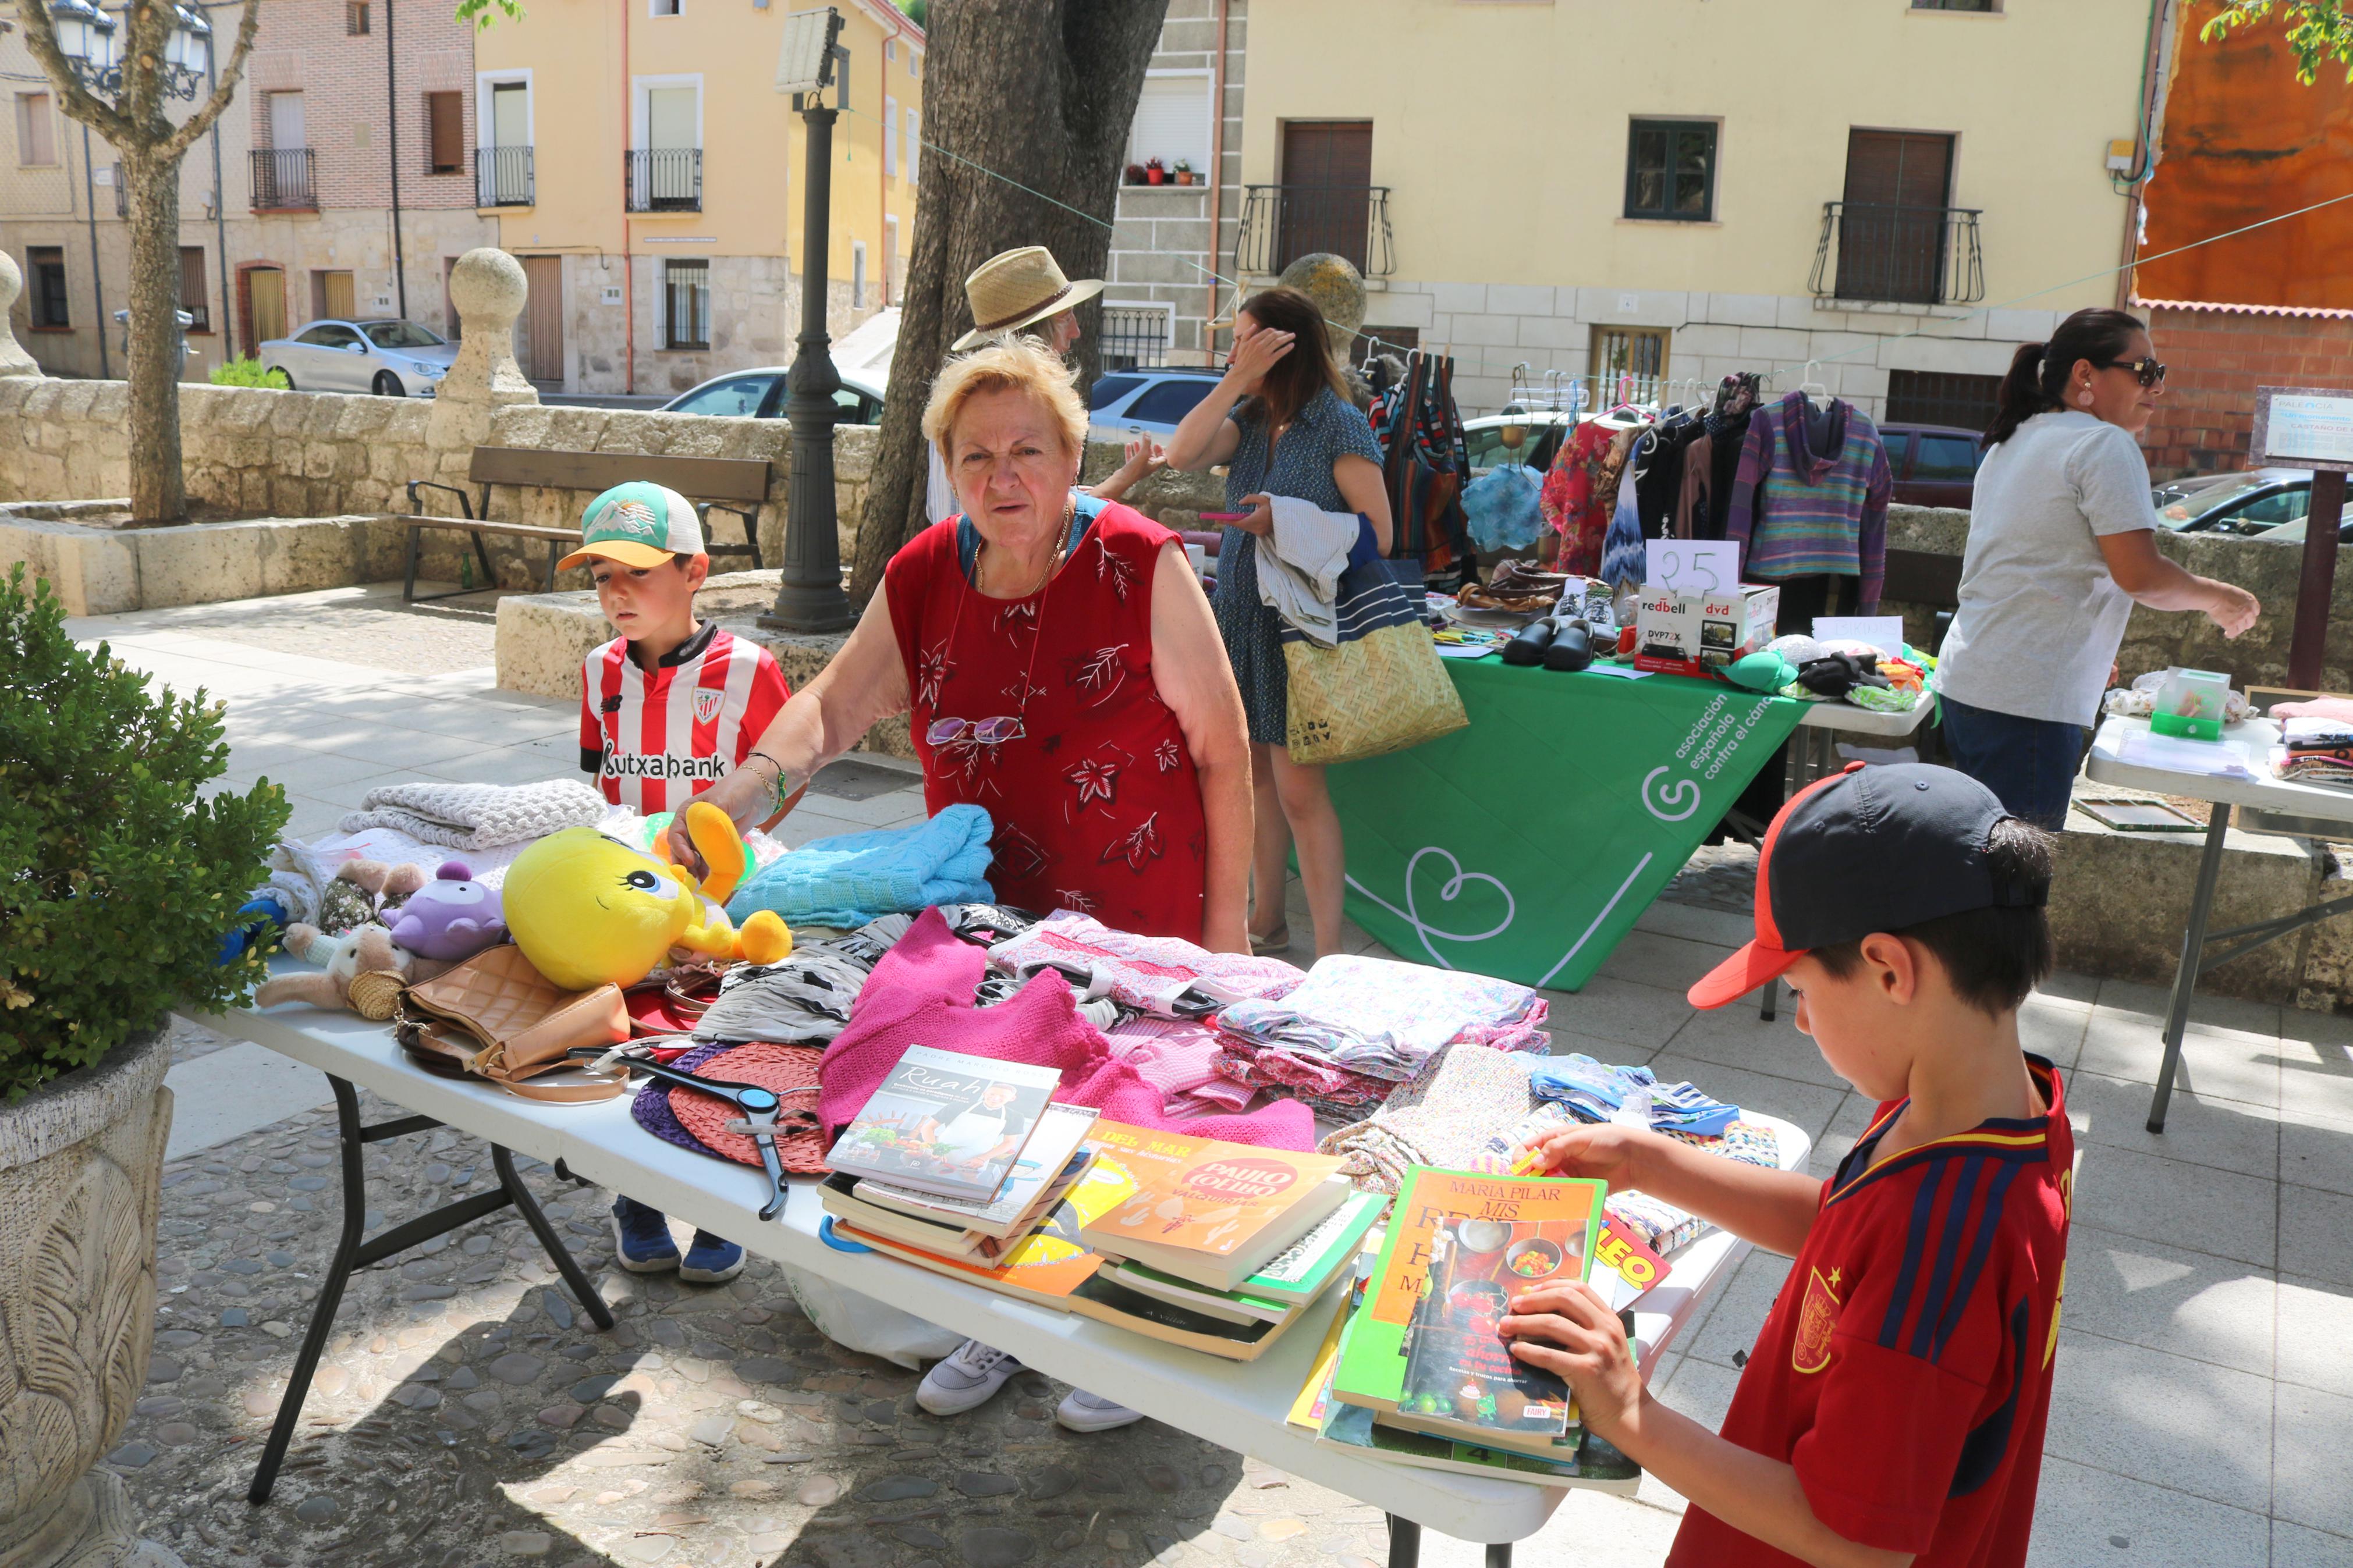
x,y
946,1123
1043,1162
1208,1211
1424,1350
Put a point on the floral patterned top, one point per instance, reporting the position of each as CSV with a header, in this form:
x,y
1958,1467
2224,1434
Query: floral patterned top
x,y
1096,804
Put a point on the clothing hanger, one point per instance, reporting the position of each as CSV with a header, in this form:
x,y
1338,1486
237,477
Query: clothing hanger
x,y
1814,390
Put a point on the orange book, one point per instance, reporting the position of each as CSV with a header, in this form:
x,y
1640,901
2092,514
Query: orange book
x,y
1044,1266
1206,1210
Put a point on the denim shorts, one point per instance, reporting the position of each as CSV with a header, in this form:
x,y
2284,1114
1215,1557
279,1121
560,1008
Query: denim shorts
x,y
2029,764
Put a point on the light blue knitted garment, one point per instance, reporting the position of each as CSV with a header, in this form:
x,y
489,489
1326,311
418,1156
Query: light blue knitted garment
x,y
859,877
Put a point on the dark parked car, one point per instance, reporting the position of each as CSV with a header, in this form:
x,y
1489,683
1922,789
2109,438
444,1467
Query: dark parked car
x,y
1934,465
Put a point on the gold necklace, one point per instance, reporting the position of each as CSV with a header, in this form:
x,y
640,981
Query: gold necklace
x,y
1053,561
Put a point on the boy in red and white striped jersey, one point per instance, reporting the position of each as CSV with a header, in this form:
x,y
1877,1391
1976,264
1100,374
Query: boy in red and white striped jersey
x,y
666,709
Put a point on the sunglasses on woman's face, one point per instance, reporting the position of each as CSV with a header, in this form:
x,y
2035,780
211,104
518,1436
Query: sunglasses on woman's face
x,y
2148,371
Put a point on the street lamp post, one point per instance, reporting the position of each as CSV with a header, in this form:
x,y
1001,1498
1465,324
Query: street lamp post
x,y
809,596
92,43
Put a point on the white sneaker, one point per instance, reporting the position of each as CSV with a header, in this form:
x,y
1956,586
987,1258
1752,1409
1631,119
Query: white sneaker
x,y
966,1378
1083,1411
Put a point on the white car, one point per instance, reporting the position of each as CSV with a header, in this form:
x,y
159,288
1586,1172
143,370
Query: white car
x,y
391,358
760,394
1124,404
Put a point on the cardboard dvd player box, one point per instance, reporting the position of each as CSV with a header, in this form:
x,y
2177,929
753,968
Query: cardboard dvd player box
x,y
1680,632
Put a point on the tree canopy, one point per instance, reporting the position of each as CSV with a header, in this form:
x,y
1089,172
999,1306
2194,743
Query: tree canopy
x,y
2317,30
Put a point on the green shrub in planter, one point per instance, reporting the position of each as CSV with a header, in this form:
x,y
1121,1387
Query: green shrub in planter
x,y
246,371
117,876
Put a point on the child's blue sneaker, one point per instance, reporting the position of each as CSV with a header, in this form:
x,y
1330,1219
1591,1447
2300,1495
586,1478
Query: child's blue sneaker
x,y
710,1260
641,1240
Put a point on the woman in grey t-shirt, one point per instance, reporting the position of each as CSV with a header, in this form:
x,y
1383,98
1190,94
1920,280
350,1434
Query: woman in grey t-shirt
x,y
2062,545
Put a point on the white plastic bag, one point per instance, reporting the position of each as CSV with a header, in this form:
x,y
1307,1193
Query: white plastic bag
x,y
862,1323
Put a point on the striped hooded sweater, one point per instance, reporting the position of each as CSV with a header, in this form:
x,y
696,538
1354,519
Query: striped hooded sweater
x,y
1801,513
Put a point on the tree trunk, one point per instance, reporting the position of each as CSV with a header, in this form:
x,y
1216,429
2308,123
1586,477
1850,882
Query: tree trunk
x,y
158,482
1040,92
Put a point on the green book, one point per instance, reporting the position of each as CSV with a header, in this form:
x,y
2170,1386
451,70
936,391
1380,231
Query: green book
x,y
1286,1283
1354,1427
1491,1235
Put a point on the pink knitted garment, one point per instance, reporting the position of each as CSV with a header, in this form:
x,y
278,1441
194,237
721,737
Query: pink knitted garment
x,y
1175,1055
921,993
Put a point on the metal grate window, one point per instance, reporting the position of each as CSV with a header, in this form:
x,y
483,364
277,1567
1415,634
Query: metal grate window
x,y
686,304
1136,337
1629,363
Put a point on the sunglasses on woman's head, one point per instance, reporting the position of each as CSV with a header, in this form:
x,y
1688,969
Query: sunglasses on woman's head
x,y
2148,371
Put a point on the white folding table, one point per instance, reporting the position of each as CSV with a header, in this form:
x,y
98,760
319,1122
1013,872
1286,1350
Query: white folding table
x,y
2268,804
1240,1406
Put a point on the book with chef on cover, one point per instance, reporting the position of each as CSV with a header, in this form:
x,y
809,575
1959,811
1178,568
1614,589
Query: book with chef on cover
x,y
946,1123
1207,1210
1044,1162
1463,1243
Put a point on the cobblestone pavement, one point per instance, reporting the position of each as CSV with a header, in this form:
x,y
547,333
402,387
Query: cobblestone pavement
x,y
468,1412
1717,877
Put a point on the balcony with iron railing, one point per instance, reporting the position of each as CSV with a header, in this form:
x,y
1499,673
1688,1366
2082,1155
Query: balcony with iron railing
x,y
663,179
503,178
282,180
1282,223
1870,252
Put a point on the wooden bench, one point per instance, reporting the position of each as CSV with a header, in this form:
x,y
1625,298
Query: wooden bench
x,y
710,482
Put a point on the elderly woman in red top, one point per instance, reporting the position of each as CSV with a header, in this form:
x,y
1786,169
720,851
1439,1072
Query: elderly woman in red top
x,y
1062,669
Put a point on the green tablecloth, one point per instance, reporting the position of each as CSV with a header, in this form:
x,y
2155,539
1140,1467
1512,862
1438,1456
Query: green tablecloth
x,y
1526,845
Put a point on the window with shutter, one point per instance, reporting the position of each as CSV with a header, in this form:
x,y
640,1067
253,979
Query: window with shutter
x,y
35,132
445,112
914,143
890,138
1172,121
192,288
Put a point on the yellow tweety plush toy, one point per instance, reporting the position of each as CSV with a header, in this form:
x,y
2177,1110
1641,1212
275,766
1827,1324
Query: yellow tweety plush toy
x,y
588,910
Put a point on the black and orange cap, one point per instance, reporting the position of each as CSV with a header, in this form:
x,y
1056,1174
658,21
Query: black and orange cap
x,y
1870,849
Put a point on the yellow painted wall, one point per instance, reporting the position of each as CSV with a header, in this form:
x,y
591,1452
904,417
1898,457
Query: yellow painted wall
x,y
582,99
1502,127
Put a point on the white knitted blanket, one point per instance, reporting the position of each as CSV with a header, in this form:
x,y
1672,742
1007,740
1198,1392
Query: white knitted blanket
x,y
477,817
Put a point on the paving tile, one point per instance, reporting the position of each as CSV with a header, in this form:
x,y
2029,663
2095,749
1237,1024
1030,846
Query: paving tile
x,y
2230,1135
1617,1010
2317,1063
2053,1029
1740,1309
2066,985
2227,1064
1670,963
2315,1433
2294,1546
2315,1150
1809,1105
505,765
1696,924
2084,1515
1591,1530
2189,1425
398,748
1736,1036
2315,1335
312,818
2315,1233
1851,1121
2184,1303
2212,1014
2193,1206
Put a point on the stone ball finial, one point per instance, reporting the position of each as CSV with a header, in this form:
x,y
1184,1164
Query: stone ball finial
x,y
1338,290
12,282
487,285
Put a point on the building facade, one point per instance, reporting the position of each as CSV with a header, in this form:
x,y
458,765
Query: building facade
x,y
348,114
638,160
1164,295
1849,183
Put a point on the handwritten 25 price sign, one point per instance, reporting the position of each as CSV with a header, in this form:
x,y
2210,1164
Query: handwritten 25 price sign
x,y
1691,565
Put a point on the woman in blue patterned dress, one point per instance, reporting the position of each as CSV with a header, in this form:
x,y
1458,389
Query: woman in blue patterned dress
x,y
1282,421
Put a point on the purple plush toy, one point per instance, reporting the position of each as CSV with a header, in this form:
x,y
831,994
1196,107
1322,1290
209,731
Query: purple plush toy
x,y
451,918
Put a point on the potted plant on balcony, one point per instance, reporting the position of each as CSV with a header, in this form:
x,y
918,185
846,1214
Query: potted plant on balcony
x,y
122,881
1155,173
1134,175
1184,171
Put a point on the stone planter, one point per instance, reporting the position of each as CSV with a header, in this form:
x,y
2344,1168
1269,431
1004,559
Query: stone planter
x,y
81,1164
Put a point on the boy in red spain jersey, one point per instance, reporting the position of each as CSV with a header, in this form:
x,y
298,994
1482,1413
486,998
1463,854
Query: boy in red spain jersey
x,y
1891,1411
666,708
671,704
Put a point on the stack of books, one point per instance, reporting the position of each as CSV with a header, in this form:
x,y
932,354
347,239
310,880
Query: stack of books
x,y
1420,1372
1217,1247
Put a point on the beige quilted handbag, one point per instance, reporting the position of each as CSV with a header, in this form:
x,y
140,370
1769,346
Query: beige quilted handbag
x,y
497,1017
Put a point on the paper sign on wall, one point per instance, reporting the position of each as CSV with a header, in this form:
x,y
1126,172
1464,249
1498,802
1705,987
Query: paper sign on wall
x,y
1691,565
1885,633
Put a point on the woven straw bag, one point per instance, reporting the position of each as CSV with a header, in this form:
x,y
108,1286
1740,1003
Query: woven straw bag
x,y
1382,690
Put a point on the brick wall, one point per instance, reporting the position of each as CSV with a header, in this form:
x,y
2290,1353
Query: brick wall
x,y
304,45
2216,358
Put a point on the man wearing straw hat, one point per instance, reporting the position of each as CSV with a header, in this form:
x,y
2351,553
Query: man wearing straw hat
x,y
1024,290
